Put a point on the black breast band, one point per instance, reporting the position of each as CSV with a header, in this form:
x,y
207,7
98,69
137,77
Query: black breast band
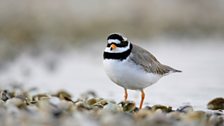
x,y
118,56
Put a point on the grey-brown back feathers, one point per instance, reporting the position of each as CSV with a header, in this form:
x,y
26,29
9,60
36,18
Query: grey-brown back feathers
x,y
148,62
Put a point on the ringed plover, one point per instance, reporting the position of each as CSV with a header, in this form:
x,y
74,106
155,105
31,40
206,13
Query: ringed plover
x,y
131,66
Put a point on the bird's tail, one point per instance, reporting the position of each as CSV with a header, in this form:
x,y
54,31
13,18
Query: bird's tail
x,y
172,70
175,70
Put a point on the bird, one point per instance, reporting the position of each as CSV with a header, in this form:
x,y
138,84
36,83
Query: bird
x,y
131,66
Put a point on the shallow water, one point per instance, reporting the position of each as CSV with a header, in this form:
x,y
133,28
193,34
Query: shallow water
x,y
81,69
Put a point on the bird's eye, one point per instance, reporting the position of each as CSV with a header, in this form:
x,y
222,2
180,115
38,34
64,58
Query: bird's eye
x,y
123,44
108,45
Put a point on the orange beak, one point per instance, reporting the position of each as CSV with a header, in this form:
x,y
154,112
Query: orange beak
x,y
113,46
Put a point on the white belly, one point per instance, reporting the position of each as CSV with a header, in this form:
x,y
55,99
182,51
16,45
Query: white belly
x,y
129,75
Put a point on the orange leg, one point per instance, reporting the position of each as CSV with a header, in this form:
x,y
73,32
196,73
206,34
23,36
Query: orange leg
x,y
125,94
142,99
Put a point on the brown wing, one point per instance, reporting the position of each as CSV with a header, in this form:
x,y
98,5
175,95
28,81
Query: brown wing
x,y
148,62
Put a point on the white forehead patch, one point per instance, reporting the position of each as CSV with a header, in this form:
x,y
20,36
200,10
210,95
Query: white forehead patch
x,y
114,41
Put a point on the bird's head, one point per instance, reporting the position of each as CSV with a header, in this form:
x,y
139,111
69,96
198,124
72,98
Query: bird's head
x,y
116,43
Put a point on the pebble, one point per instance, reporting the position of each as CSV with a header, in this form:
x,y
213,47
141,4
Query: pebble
x,y
112,107
4,95
216,104
64,95
162,108
185,108
128,106
31,108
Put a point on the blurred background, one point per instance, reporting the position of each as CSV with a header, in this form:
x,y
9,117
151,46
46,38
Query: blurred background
x,y
56,44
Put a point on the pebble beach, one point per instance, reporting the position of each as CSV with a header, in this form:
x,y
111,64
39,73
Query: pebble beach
x,y
20,106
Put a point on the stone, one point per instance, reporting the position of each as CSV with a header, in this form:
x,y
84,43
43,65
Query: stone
x,y
216,104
